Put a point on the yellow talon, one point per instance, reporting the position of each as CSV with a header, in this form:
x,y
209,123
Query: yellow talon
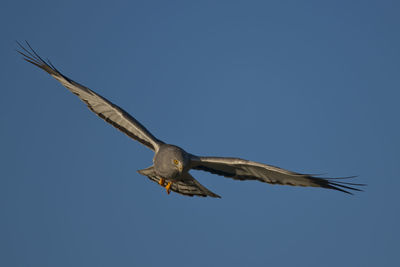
x,y
168,187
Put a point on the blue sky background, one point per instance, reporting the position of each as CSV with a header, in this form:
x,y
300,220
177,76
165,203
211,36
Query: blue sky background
x,y
311,86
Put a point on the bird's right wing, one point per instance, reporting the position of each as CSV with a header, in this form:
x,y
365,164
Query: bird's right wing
x,y
103,108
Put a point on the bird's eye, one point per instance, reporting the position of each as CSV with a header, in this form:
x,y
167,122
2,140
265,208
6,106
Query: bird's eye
x,y
176,161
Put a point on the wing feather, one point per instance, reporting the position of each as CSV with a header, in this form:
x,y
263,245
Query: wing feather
x,y
103,108
240,169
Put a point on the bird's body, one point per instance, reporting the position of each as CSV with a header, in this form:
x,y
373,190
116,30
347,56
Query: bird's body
x,y
171,164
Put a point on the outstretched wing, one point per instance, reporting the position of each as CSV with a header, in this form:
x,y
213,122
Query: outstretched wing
x,y
188,186
240,169
103,108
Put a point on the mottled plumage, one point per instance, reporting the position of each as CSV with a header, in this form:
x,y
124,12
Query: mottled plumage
x,y
171,164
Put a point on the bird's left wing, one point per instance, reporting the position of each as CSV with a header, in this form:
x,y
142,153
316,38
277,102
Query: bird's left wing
x,y
241,169
103,108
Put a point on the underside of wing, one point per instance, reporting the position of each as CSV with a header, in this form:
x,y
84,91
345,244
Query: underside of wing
x,y
103,108
188,186
240,169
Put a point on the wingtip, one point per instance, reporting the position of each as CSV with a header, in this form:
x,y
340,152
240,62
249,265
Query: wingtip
x,y
344,187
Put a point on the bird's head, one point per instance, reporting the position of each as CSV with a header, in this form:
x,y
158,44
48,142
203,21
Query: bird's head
x,y
171,161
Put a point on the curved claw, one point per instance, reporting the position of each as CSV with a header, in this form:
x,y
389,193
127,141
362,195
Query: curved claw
x,y
168,187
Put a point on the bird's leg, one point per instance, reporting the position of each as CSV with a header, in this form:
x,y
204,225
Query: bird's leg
x,y
168,187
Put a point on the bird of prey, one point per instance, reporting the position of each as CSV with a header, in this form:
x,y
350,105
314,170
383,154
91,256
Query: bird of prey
x,y
171,164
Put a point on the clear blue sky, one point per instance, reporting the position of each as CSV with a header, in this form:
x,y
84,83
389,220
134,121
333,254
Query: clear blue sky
x,y
311,86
